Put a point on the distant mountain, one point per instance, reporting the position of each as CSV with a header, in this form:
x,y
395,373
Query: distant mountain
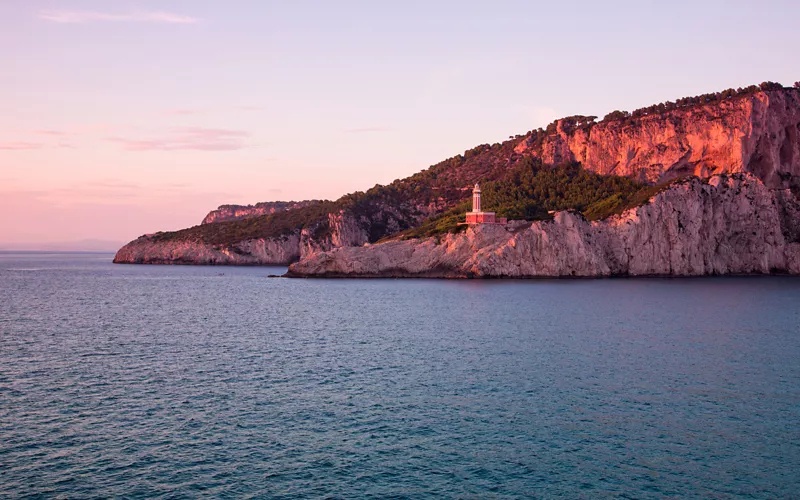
x,y
599,168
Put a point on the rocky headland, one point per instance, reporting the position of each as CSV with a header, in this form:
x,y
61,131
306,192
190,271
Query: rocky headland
x,y
735,154
724,225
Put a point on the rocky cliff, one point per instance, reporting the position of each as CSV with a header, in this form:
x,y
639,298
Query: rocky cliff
x,y
729,224
755,132
332,230
261,251
226,213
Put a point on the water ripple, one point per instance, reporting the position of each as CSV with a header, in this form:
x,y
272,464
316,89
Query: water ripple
x,y
173,382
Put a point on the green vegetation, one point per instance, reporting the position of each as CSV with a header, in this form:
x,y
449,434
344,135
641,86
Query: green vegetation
x,y
450,221
269,226
571,123
690,102
531,191
619,202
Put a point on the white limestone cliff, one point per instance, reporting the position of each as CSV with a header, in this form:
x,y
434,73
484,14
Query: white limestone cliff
x,y
730,224
149,249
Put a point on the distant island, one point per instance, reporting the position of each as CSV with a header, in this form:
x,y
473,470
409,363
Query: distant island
x,y
704,185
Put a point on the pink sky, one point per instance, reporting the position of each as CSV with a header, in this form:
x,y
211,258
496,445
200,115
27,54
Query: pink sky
x,y
123,118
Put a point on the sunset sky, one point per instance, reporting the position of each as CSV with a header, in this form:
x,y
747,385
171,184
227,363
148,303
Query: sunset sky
x,y
119,118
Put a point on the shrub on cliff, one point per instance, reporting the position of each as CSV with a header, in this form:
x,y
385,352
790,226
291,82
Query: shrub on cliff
x,y
690,102
530,191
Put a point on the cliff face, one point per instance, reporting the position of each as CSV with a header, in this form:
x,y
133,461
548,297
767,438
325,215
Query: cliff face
x,y
238,212
755,133
729,225
271,251
338,229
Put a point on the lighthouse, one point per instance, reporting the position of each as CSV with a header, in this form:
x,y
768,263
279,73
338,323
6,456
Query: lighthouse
x,y
476,216
476,198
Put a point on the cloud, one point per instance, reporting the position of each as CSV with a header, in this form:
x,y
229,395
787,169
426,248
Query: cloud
x,y
44,139
195,111
166,17
367,130
182,111
80,17
57,133
250,108
188,138
20,146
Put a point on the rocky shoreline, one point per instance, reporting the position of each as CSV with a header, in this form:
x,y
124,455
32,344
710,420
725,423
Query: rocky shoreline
x,y
725,225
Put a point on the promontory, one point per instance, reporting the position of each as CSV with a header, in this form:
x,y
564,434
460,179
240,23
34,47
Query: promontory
x,y
703,185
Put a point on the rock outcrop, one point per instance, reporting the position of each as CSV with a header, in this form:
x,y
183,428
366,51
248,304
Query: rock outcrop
x,y
226,213
337,229
149,249
729,224
755,132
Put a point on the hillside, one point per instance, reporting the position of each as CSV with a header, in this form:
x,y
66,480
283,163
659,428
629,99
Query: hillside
x,y
370,215
599,168
532,191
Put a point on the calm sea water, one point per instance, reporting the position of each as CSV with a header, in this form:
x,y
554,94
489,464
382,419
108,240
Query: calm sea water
x,y
182,382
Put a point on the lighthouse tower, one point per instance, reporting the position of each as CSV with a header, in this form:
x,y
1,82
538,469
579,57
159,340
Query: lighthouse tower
x,y
476,198
476,216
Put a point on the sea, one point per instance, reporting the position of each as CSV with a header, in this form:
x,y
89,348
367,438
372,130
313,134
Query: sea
x,y
126,381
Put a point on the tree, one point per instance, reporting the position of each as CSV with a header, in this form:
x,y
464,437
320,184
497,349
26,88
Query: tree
x,y
616,115
797,85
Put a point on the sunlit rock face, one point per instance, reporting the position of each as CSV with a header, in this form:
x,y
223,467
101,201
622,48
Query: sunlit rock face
x,y
727,225
755,133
